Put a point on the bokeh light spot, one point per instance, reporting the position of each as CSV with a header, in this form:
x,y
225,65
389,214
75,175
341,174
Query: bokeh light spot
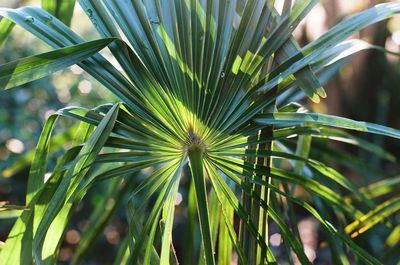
x,y
14,145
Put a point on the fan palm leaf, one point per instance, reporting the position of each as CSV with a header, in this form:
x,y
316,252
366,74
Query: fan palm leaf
x,y
204,83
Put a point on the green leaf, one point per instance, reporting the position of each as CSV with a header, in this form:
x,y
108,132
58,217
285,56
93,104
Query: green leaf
x,y
248,170
104,210
21,235
11,211
39,165
35,67
287,119
168,219
226,237
62,9
223,193
377,215
382,187
362,254
134,219
295,244
394,237
145,236
53,220
6,26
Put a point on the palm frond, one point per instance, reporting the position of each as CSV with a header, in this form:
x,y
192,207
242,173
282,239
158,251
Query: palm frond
x,y
204,84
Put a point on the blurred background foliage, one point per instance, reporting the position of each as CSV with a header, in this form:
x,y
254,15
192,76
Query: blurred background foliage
x,y
367,88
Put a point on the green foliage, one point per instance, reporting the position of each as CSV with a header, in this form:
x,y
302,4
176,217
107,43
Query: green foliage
x,y
204,84
61,9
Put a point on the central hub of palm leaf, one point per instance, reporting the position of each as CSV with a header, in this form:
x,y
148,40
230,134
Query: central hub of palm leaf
x,y
194,143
